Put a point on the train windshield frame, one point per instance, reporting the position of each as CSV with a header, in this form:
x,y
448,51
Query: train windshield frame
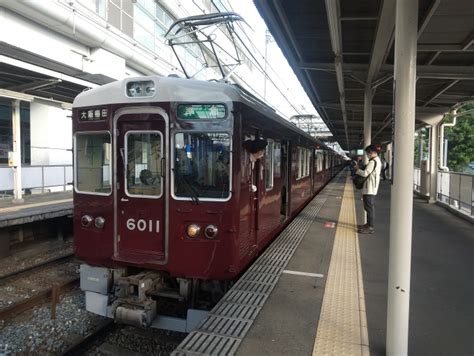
x,y
93,162
202,165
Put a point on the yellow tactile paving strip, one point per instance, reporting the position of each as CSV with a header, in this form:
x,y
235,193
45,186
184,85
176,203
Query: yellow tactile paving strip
x,y
342,328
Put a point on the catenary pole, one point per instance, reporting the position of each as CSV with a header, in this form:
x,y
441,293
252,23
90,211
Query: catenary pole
x,y
401,204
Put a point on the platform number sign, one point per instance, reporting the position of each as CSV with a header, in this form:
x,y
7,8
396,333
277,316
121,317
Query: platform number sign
x,y
93,114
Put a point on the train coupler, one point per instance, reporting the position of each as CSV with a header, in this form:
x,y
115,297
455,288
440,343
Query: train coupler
x,y
132,304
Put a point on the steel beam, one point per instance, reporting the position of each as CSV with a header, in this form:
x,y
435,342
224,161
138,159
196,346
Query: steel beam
x,y
423,71
333,15
381,108
440,91
434,5
385,26
39,84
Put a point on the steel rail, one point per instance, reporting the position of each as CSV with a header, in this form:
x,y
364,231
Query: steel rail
x,y
36,299
84,343
5,277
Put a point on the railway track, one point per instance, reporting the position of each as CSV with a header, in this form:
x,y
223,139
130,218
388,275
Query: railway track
x,y
86,342
48,262
37,299
31,286
108,338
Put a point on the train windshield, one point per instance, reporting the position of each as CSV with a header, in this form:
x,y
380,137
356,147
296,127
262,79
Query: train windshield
x,y
93,171
202,165
143,154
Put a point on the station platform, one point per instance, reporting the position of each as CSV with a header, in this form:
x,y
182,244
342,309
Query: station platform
x,y
321,288
35,207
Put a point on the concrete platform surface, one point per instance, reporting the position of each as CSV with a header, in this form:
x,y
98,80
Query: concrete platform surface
x,y
442,287
35,207
442,290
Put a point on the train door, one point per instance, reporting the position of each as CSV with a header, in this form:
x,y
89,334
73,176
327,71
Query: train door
x,y
141,186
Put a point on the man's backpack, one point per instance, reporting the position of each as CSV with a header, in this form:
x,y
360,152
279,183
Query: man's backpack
x,y
359,181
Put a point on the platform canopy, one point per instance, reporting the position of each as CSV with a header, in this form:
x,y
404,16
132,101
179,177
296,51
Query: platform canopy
x,y
26,76
338,48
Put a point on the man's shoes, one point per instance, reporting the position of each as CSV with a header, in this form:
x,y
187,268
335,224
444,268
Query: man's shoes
x,y
362,226
366,230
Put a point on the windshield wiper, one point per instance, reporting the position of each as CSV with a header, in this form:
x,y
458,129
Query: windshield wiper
x,y
194,195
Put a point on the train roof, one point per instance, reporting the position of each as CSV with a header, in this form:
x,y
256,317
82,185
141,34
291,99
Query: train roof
x,y
171,89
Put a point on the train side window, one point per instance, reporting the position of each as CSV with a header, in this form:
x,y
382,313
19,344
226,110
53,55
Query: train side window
x,y
269,161
143,161
92,156
319,161
308,162
304,162
300,167
277,159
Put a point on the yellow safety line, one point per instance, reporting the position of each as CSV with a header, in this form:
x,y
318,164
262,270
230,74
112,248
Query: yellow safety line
x,y
342,328
21,207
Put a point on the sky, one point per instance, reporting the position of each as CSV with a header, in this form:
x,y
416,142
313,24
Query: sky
x,y
277,65
297,101
282,89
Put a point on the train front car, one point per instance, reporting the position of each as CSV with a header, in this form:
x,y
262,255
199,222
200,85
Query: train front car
x,y
155,214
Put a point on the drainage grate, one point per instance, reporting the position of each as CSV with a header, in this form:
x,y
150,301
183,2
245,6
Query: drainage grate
x,y
223,330
200,343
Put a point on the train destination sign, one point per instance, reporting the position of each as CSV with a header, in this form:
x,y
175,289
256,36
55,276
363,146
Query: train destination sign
x,y
93,114
201,111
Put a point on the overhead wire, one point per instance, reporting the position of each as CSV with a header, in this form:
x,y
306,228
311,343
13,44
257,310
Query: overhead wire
x,y
256,63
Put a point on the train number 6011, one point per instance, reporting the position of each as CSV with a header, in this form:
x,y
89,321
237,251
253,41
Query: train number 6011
x,y
143,225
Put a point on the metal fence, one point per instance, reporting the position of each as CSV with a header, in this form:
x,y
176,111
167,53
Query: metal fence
x,y
454,189
457,191
417,179
43,178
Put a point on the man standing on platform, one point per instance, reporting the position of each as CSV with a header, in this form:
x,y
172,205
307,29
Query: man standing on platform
x,y
371,186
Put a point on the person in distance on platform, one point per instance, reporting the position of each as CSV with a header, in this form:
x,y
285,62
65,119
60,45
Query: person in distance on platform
x,y
369,191
385,167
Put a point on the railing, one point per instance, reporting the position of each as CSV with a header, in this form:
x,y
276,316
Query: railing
x,y
455,190
44,178
417,179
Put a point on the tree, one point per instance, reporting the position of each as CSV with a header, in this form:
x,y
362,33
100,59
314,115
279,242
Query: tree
x,y
461,140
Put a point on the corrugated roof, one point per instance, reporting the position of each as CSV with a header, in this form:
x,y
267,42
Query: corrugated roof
x,y
445,57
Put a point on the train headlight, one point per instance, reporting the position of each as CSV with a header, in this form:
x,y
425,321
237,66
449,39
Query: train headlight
x,y
140,89
86,220
193,230
211,231
99,222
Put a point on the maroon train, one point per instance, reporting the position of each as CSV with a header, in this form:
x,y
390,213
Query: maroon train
x,y
169,204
